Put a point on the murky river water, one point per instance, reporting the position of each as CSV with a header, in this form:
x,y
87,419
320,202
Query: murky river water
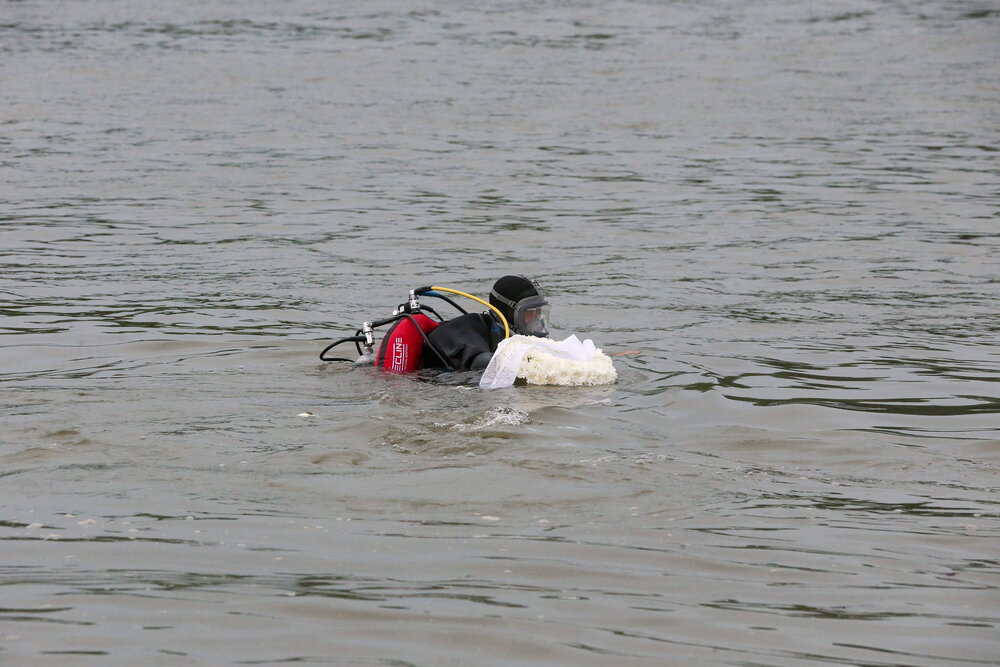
x,y
789,208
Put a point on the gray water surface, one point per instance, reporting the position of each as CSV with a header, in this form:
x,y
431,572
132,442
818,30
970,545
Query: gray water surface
x,y
789,209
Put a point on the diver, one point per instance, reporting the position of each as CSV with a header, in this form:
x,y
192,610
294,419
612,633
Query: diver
x,y
468,341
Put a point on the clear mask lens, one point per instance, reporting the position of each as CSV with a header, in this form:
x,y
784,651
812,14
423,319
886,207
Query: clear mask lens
x,y
531,317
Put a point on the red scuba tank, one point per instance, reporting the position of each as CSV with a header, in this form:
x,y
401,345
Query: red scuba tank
x,y
402,346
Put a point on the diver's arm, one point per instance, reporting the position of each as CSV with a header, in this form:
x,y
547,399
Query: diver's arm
x,y
480,361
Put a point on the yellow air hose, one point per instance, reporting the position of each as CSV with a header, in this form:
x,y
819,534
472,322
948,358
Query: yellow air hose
x,y
506,327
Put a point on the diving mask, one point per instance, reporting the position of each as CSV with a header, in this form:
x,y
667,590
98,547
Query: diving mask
x,y
531,317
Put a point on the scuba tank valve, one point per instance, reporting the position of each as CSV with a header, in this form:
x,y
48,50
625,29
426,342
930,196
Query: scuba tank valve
x,y
368,331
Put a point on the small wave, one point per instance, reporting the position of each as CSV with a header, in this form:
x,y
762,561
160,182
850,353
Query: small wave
x,y
500,416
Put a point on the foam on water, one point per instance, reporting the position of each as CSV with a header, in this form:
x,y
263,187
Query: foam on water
x,y
499,416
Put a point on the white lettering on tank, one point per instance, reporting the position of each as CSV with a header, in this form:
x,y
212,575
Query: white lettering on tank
x,y
400,355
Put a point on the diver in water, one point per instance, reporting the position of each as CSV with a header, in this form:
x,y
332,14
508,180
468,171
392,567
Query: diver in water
x,y
468,341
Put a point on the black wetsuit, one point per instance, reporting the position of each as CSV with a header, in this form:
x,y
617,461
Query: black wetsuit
x,y
467,342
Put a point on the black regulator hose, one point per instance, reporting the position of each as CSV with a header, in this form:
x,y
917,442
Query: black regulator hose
x,y
356,339
432,311
429,291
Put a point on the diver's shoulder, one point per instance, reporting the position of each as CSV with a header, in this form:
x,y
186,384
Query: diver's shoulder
x,y
473,321
462,320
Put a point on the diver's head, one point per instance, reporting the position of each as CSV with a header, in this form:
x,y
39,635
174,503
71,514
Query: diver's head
x,y
521,302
